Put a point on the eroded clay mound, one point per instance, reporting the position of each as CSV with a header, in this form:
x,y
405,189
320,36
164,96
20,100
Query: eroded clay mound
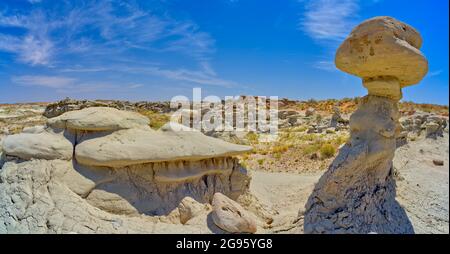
x,y
103,170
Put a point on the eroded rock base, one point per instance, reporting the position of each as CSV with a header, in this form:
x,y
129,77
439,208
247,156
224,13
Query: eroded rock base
x,y
41,196
357,193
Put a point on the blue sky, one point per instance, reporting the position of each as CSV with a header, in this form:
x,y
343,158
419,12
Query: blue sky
x,y
154,50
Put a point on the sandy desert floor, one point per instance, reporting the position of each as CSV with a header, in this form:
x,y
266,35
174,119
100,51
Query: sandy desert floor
x,y
422,189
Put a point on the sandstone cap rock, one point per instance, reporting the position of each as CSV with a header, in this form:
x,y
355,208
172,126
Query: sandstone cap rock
x,y
383,46
137,146
99,119
43,145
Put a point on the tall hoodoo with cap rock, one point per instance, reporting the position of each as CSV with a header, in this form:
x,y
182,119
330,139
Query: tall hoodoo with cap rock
x,y
357,193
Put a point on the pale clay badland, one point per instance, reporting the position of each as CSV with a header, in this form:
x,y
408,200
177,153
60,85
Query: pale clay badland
x,y
118,167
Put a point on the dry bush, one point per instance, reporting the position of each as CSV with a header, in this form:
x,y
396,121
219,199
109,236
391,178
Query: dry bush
x,y
327,151
157,120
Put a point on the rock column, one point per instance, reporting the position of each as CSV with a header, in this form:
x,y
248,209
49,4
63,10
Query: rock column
x,y
357,193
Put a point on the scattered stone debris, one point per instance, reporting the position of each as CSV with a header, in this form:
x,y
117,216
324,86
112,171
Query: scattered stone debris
x,y
66,105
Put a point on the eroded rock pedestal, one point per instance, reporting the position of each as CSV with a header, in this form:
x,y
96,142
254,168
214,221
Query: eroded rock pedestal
x,y
102,170
357,193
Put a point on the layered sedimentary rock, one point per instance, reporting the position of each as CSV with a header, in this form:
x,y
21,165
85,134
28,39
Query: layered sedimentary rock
x,y
357,193
92,165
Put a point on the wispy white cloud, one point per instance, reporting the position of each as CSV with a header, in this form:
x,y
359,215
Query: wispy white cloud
x,y
329,19
204,76
85,70
434,73
134,86
325,65
95,36
197,77
62,84
200,77
88,88
328,22
70,29
35,47
44,81
190,40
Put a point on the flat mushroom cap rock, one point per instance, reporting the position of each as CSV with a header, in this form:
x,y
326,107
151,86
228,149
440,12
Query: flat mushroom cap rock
x,y
383,46
137,146
99,119
38,146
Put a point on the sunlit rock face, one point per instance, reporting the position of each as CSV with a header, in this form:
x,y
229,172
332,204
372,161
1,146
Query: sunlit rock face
x,y
105,171
383,47
357,193
158,188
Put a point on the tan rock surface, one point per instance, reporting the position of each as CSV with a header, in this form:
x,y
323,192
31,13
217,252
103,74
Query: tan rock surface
x,y
230,216
136,146
43,145
99,119
383,46
190,208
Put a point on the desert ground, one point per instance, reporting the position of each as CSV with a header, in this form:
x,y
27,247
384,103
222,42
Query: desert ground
x,y
283,172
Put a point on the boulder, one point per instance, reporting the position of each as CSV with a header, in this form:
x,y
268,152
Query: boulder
x,y
433,130
230,216
284,114
43,145
99,119
137,146
310,112
422,124
110,202
190,208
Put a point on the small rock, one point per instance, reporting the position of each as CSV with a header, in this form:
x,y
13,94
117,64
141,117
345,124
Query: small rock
x,y
310,112
438,162
314,156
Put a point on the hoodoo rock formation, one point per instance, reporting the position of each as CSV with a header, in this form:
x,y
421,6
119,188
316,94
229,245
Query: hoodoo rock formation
x,y
104,170
357,193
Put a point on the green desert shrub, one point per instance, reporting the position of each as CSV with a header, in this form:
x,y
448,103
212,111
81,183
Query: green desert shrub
x,y
311,148
252,137
327,150
260,161
157,120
